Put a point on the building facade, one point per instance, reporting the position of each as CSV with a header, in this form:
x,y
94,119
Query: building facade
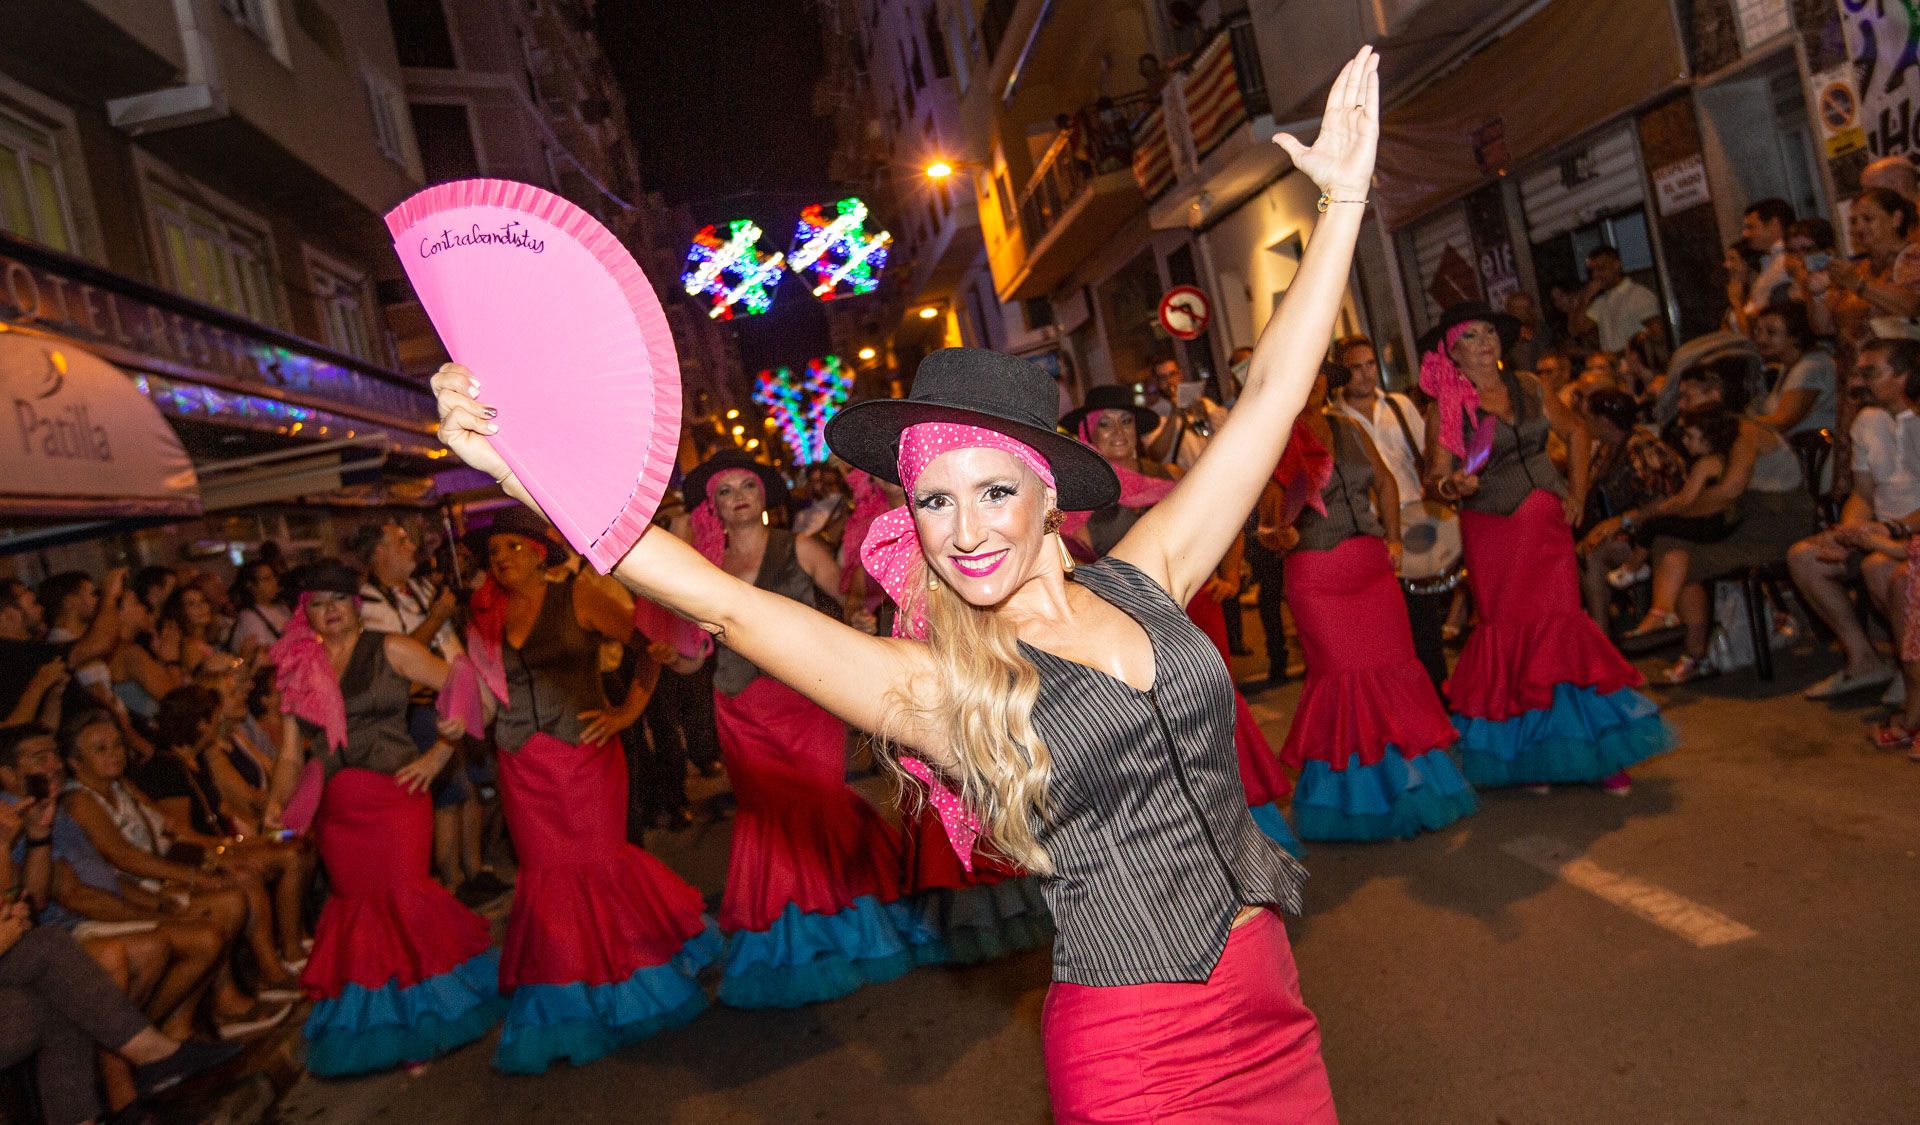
x,y
1116,149
192,191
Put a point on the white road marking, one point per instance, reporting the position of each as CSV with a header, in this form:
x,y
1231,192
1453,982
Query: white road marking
x,y
1702,925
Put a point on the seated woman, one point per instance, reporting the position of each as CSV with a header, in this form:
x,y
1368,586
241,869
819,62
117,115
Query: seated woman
x,y
123,828
182,780
1760,495
188,615
140,676
1632,467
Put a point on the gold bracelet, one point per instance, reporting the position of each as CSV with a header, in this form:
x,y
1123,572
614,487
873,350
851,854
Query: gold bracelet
x,y
1327,200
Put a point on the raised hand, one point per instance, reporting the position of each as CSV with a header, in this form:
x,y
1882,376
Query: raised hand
x,y
465,424
1341,159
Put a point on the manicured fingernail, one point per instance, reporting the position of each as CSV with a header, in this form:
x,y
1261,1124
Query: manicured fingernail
x,y
493,412
473,387
493,427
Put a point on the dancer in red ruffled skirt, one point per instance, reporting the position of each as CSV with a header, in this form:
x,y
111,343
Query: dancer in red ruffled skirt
x,y
400,971
1369,734
603,942
1539,694
815,905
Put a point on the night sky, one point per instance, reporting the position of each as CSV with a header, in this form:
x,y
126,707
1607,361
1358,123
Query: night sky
x,y
720,96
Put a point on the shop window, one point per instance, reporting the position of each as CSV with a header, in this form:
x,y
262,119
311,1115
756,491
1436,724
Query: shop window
x,y
216,258
340,302
420,33
261,19
445,136
33,195
388,110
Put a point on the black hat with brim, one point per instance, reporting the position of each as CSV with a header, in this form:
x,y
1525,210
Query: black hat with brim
x,y
1109,396
977,387
1507,326
519,521
695,489
327,576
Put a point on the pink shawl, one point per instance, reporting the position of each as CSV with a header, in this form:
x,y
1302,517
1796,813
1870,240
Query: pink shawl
x,y
309,689
1458,399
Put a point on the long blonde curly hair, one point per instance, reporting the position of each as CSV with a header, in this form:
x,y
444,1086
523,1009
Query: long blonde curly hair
x,y
982,694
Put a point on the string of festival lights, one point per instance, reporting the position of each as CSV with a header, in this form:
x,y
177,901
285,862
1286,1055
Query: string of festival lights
x,y
800,403
832,251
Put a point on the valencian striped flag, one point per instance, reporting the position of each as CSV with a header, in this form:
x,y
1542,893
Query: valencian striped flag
x,y
1152,155
1214,105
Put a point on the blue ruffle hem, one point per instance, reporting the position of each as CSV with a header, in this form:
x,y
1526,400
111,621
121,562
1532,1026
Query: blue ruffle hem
x,y
369,1029
1270,820
806,958
1584,736
580,1023
1392,799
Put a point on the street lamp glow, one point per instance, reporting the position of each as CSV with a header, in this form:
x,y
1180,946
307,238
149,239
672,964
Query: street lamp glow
x,y
929,313
738,430
939,170
753,443
732,414
868,353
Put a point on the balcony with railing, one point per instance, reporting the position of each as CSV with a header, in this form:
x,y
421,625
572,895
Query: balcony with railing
x,y
1209,143
1082,190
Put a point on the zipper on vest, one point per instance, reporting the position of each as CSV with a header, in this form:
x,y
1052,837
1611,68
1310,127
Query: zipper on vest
x,y
1180,777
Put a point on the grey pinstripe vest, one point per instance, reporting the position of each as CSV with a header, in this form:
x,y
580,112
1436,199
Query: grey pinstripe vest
x,y
1347,496
1519,464
1152,846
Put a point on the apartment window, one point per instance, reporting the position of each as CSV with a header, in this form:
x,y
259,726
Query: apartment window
x,y
261,18
33,196
937,44
445,133
388,110
340,301
420,33
215,257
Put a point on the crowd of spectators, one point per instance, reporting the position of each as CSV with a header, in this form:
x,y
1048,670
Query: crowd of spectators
x,y
150,904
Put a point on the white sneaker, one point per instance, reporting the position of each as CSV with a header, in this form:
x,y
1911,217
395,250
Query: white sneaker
x,y
240,1029
1839,683
1623,576
1896,693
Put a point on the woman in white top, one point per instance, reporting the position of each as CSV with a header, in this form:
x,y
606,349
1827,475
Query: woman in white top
x,y
261,617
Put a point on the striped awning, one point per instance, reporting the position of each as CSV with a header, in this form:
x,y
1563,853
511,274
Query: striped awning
x,y
1152,154
1214,105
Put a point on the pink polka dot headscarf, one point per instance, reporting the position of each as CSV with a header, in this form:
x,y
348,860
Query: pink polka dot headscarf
x,y
892,545
891,549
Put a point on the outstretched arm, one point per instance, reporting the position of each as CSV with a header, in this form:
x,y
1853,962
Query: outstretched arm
x,y
843,670
1180,539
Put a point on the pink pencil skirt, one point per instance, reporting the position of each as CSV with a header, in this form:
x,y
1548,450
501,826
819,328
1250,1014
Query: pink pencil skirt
x,y
1240,1048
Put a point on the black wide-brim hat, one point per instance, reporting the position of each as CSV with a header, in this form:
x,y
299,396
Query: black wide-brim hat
x,y
1507,326
1108,396
694,490
327,576
976,387
516,521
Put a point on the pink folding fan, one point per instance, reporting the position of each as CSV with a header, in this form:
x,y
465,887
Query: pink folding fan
x,y
567,339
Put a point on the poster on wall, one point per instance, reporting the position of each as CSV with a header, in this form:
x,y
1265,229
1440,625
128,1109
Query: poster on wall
x,y
1883,40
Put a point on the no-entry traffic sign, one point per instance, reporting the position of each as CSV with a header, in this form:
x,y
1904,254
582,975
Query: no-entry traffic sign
x,y
1184,312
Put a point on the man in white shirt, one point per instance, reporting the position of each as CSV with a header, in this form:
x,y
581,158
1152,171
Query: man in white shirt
x,y
1885,499
1763,228
1399,433
1188,418
1617,305
392,600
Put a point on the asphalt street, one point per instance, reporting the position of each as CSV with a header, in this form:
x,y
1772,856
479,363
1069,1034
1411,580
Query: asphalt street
x,y
1732,942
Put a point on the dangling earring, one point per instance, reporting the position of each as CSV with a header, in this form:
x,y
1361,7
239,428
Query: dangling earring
x,y
933,581
1055,520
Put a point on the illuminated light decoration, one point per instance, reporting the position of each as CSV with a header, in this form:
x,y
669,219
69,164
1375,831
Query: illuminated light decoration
x,y
834,252
731,270
798,405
